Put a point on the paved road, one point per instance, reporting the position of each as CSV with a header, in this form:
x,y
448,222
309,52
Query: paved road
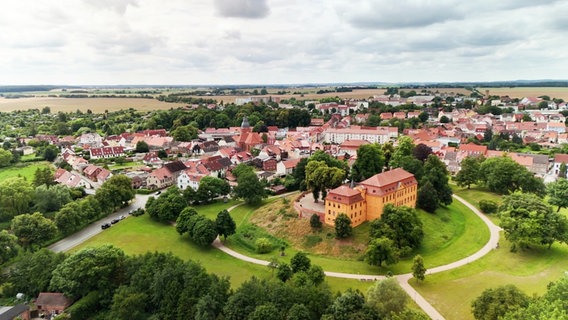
x,y
95,227
403,278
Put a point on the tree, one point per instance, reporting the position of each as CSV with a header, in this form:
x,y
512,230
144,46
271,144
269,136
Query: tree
x,y
249,188
494,303
184,133
300,262
284,272
32,229
69,218
43,176
444,119
470,171
503,175
8,246
418,269
168,206
401,225
298,312
142,147
527,220
320,177
381,250
115,192
265,312
204,231
212,187
5,158
50,152
15,197
404,149
241,169
350,305
315,221
436,173
557,192
225,224
563,171
343,227
52,199
387,297
421,152
91,269
316,274
32,273
183,220
427,198
370,161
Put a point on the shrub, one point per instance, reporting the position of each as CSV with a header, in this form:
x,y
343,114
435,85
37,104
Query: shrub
x,y
143,191
488,206
315,221
138,212
263,245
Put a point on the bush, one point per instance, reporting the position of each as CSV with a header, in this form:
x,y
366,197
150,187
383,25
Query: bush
x,y
315,221
143,191
263,245
138,212
488,206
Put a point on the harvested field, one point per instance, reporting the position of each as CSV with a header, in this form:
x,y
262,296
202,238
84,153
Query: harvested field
x,y
517,92
97,105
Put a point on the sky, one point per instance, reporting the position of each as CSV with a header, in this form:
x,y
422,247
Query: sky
x,y
190,42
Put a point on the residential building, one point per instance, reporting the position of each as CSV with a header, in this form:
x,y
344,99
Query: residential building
x,y
559,159
374,135
52,303
20,312
106,152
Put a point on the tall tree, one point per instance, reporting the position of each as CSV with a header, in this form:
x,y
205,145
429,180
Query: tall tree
x,y
204,231
212,187
557,192
421,152
91,269
142,146
5,158
249,188
15,197
226,226
168,206
115,192
503,175
427,198
387,297
52,199
370,161
403,149
527,220
381,250
436,173
32,229
32,274
470,171
343,228
8,246
44,176
495,303
300,262
401,225
418,268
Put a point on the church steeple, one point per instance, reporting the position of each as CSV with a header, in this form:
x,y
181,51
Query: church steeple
x,y
245,123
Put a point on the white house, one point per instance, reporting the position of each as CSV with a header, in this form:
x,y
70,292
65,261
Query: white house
x,y
558,160
188,180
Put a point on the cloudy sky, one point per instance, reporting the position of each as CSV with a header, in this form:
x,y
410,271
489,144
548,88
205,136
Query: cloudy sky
x,y
280,41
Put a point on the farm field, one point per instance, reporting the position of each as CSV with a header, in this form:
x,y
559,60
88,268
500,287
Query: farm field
x,y
97,105
521,92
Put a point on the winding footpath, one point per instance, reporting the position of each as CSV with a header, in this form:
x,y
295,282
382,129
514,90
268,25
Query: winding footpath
x,y
403,278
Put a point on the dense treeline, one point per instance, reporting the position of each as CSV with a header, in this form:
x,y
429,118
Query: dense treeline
x,y
107,284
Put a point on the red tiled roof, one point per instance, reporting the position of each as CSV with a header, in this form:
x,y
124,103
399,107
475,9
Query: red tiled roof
x,y
559,158
344,194
388,177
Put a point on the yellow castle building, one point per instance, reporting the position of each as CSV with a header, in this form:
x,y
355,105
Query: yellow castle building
x,y
366,201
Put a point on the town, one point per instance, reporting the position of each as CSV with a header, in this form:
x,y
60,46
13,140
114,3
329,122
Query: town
x,y
370,160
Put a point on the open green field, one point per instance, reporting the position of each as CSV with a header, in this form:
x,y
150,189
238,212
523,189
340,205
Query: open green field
x,y
447,239
25,170
476,194
452,292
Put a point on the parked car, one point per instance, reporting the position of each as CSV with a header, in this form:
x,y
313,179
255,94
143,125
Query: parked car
x,y
115,221
158,193
105,225
121,217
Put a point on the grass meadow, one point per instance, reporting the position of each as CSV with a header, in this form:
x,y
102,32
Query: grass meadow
x,y
23,169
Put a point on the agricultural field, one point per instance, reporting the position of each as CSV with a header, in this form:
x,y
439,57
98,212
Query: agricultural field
x,y
521,92
97,105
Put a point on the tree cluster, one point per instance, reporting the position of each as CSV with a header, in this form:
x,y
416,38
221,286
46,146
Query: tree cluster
x,y
200,229
168,206
527,221
209,189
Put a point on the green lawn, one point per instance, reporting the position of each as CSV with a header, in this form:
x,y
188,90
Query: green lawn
x,y
137,235
452,292
447,239
476,194
125,165
23,169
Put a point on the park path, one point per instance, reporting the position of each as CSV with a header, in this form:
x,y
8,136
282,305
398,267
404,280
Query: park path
x,y
403,278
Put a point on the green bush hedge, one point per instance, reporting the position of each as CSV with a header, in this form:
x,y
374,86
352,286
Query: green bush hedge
x,y
488,206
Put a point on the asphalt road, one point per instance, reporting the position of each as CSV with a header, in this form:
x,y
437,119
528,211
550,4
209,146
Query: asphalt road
x,y
95,227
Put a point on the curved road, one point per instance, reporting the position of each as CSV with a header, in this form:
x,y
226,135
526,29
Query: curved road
x,y
403,278
140,201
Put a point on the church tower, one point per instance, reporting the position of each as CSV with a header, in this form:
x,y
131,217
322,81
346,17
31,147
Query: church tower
x,y
245,126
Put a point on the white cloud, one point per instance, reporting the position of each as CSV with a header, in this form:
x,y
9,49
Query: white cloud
x,y
280,41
